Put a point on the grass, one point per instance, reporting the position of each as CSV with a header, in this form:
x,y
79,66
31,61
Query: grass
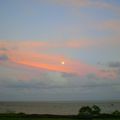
x,y
19,118
4,118
22,116
54,118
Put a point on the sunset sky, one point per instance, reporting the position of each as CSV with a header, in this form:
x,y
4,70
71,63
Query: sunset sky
x,y
59,50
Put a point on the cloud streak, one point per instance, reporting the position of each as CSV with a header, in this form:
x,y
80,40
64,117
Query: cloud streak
x,y
114,64
88,4
24,53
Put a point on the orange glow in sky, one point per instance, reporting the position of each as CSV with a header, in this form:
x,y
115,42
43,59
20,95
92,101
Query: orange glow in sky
x,y
62,62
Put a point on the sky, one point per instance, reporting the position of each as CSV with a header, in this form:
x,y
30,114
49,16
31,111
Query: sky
x,y
59,50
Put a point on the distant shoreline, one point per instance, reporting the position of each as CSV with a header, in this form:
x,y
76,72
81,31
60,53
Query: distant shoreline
x,y
57,107
69,101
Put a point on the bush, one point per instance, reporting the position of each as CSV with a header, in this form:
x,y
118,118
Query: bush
x,y
86,110
95,110
116,112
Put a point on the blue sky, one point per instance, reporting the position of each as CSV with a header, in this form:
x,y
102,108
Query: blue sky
x,y
37,36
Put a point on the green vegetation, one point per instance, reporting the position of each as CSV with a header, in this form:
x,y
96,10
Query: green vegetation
x,y
4,118
86,110
95,110
21,116
116,113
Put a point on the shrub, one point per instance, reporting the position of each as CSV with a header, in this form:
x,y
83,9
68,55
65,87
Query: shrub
x,y
95,110
86,110
116,112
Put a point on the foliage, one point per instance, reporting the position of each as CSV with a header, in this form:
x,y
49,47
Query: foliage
x,y
116,112
95,110
86,110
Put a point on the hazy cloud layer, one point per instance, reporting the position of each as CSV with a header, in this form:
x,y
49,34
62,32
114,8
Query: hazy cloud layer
x,y
114,64
3,57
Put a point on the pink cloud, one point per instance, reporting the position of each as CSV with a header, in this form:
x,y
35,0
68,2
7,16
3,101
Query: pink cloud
x,y
79,43
113,25
26,55
53,63
21,45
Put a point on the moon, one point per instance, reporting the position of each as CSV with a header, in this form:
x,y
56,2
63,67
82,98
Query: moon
x,y
62,62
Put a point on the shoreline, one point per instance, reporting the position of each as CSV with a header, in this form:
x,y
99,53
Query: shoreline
x,y
57,108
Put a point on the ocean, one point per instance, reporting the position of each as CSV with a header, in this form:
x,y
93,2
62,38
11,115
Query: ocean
x,y
60,108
